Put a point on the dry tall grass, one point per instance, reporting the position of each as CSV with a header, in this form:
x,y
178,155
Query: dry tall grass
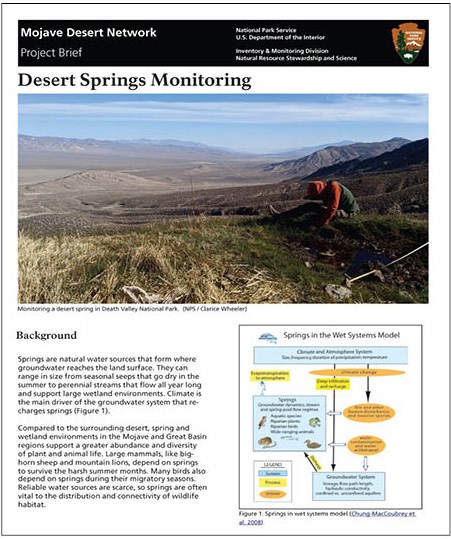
x,y
182,262
219,260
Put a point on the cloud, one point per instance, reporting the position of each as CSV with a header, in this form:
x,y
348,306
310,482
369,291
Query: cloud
x,y
402,109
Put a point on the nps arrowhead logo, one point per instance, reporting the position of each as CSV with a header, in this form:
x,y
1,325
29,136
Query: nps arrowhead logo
x,y
408,40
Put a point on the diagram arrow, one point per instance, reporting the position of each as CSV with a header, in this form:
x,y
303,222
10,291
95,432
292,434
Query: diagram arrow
x,y
337,444
333,413
333,430
307,456
365,463
368,392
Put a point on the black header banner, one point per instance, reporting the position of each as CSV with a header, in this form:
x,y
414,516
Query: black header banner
x,y
223,43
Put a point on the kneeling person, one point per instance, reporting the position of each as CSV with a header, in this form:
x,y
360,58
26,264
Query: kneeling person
x,y
337,200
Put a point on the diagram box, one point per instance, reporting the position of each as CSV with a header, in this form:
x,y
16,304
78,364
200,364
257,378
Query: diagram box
x,y
272,481
317,355
289,423
348,486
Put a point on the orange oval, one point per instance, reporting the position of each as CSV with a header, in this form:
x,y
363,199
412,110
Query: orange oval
x,y
366,445
369,412
357,372
272,494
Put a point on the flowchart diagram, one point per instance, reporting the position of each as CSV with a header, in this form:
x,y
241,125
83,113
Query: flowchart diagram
x,y
330,416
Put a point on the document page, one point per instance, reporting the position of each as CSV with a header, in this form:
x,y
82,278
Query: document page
x,y
225,270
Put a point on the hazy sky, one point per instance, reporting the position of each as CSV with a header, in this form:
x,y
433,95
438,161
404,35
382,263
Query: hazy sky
x,y
248,122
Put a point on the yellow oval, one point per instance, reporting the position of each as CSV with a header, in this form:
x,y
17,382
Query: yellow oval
x,y
366,445
357,372
272,494
369,412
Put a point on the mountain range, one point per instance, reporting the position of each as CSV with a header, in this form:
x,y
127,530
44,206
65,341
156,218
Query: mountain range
x,y
413,153
307,165
86,154
175,148
30,145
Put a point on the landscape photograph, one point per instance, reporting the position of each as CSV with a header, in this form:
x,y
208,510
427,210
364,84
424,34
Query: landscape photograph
x,y
224,198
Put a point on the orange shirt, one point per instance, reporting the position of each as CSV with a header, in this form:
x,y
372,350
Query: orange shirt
x,y
329,193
